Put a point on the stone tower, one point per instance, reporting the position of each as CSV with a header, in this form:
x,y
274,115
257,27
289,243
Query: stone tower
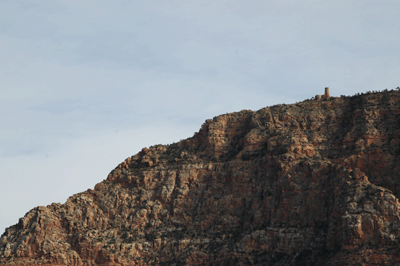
x,y
327,95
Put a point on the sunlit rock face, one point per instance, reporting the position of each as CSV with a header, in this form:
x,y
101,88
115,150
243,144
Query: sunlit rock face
x,y
312,183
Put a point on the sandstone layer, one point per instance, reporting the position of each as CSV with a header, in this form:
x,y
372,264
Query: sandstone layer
x,y
312,183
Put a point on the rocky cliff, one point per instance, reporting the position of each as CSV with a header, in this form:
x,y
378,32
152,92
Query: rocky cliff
x,y
312,183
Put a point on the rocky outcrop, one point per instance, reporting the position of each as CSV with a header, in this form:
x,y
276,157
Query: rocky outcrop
x,y
312,183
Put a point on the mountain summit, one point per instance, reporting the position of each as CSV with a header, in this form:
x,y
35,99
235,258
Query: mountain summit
x,y
311,183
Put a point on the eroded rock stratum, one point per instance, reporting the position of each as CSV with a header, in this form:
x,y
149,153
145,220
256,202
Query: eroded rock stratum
x,y
312,183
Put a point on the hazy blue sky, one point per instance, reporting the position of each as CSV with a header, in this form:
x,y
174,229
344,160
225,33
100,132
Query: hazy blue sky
x,y
85,84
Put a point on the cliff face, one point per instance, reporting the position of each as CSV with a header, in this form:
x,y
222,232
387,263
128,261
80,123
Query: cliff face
x,y
312,183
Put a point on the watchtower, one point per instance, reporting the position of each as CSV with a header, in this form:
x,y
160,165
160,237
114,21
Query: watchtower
x,y
327,95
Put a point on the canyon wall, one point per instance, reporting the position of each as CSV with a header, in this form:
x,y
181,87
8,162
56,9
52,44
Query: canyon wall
x,y
311,183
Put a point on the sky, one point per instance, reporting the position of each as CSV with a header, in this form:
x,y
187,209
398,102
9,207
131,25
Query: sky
x,y
86,84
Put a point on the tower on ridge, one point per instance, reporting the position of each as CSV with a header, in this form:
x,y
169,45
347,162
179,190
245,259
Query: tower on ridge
x,y
327,95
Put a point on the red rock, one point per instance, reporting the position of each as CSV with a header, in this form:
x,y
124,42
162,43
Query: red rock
x,y
310,183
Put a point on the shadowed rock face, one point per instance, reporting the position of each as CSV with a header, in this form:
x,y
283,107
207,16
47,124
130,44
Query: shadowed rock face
x,y
312,183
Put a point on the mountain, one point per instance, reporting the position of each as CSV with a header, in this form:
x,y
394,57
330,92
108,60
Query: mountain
x,y
311,183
